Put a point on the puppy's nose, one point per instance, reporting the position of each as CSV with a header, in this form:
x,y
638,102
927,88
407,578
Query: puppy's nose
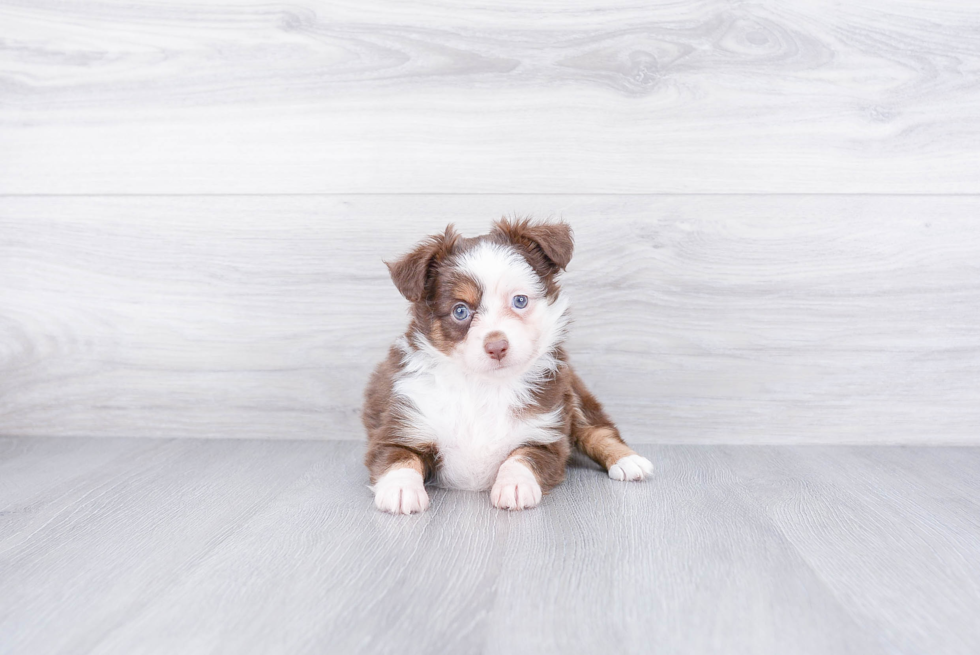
x,y
496,348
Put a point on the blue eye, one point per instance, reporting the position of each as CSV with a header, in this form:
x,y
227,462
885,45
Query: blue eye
x,y
461,312
520,302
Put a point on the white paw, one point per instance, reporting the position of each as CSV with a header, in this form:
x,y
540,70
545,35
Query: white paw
x,y
631,467
401,491
515,487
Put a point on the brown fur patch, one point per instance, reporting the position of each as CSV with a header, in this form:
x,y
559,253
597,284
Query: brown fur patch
x,y
433,315
592,431
413,273
382,417
386,453
467,290
377,396
546,461
547,247
387,457
603,444
556,393
409,461
438,338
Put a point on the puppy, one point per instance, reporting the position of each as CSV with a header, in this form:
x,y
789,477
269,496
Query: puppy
x,y
478,394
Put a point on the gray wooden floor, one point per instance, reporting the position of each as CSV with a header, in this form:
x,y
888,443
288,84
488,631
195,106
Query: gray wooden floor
x,y
261,546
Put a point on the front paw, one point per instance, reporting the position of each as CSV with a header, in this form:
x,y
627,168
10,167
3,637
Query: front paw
x,y
401,491
515,487
631,467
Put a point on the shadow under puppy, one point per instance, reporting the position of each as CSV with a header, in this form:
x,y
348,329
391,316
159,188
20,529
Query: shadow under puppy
x,y
478,393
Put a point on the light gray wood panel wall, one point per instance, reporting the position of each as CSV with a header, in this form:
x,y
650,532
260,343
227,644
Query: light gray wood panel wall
x,y
372,96
697,318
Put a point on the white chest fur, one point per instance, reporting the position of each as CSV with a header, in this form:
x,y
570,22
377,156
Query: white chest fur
x,y
474,422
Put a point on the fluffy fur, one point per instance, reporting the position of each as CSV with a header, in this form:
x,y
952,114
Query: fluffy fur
x,y
478,394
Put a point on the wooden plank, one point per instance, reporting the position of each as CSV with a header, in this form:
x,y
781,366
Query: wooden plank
x,y
946,475
683,563
326,97
594,569
697,319
899,551
250,546
320,568
129,534
65,462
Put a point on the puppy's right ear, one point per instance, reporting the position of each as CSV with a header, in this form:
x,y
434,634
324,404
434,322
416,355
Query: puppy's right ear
x,y
411,273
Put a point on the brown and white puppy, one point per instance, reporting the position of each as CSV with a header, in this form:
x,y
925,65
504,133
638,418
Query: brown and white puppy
x,y
479,394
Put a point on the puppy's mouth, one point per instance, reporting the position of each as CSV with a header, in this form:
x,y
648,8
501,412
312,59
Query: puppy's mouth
x,y
504,368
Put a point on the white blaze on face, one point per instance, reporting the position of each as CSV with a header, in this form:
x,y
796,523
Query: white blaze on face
x,y
502,274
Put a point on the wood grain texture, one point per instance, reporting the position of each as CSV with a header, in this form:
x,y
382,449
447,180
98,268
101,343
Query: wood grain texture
x,y
808,319
373,96
247,546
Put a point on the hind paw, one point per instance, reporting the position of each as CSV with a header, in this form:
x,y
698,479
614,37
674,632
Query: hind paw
x,y
631,467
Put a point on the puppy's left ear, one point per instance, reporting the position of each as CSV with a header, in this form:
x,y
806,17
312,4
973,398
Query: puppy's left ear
x,y
550,245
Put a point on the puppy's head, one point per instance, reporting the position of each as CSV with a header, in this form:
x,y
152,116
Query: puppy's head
x,y
490,303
